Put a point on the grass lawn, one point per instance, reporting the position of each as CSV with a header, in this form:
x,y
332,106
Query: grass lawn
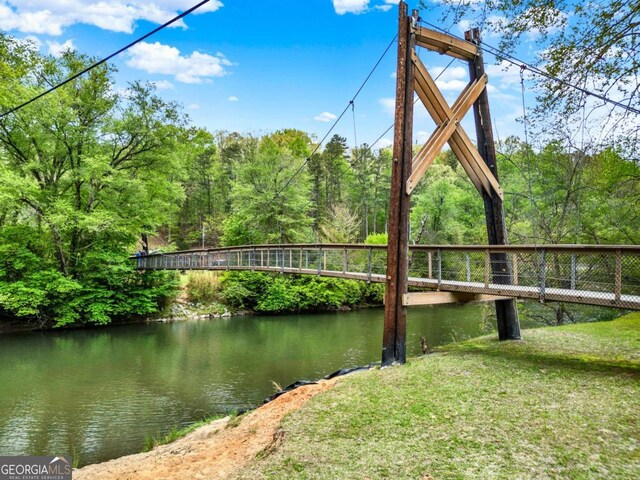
x,y
563,403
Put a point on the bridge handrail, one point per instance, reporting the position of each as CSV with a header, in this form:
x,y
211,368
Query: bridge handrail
x,y
364,246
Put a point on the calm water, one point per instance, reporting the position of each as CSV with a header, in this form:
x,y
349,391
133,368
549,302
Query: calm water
x,y
98,393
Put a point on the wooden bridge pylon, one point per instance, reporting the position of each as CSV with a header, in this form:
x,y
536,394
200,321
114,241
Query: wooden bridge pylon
x,y
407,170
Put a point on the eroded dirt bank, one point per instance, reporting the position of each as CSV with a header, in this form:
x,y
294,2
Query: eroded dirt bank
x,y
217,450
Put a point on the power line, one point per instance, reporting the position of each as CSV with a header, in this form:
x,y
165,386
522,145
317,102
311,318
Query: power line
x,y
370,146
105,59
527,66
351,102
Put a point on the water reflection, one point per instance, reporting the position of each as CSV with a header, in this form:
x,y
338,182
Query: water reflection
x,y
98,393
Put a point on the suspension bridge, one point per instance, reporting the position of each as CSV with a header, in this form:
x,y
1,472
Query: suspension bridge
x,y
586,274
605,275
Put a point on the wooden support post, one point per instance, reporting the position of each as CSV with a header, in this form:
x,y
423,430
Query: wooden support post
x,y
506,310
467,266
395,313
344,260
543,274
618,276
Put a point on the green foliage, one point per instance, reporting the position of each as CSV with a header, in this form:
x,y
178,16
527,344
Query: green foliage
x,y
83,173
377,239
274,293
267,206
201,287
591,45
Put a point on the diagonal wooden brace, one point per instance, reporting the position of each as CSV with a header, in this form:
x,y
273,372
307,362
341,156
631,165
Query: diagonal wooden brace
x,y
443,132
459,141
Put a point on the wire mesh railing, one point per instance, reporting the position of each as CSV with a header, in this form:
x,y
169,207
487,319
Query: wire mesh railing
x,y
606,275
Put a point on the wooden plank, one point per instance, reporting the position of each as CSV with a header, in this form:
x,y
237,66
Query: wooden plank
x,y
395,314
459,152
444,131
618,276
506,310
445,44
437,114
460,142
437,298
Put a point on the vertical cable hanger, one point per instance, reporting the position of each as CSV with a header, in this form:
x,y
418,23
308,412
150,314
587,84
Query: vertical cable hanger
x,y
353,113
525,120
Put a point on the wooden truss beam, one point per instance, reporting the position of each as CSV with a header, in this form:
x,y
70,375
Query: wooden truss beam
x,y
448,119
437,298
445,44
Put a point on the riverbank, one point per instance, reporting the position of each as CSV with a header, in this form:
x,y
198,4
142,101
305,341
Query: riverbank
x,y
562,403
219,450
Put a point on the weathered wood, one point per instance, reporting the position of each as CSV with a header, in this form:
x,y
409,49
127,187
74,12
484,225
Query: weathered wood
x,y
506,310
437,298
395,315
459,142
445,44
618,276
443,132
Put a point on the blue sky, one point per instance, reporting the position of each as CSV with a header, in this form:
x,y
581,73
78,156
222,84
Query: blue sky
x,y
258,66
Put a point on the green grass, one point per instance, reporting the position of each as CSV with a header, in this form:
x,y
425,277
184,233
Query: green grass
x,y
562,404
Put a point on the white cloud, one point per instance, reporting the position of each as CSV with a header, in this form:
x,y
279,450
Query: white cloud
x,y
384,8
451,79
394,74
384,143
388,105
350,6
51,17
193,106
165,59
504,74
232,98
57,49
163,85
325,117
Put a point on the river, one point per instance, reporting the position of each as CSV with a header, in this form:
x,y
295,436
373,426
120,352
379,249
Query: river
x,y
98,393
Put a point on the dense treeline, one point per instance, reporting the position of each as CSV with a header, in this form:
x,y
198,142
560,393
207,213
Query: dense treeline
x,y
89,175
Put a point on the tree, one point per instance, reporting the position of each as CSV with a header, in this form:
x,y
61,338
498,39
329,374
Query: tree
x,y
83,173
592,46
269,197
341,226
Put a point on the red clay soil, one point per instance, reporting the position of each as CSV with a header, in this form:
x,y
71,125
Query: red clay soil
x,y
217,450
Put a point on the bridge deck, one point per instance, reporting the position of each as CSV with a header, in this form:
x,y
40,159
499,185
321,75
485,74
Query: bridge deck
x,y
586,274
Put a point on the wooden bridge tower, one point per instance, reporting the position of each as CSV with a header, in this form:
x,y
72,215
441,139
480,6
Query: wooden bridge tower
x,y
479,163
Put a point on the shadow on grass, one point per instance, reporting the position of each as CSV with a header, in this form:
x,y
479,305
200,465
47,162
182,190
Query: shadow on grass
x,y
552,360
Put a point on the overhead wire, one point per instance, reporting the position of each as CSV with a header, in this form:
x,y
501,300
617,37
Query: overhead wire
x,y
485,47
370,146
104,60
337,120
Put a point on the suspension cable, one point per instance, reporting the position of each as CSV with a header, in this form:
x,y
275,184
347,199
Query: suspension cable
x,y
370,146
317,147
355,135
522,64
105,59
524,111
